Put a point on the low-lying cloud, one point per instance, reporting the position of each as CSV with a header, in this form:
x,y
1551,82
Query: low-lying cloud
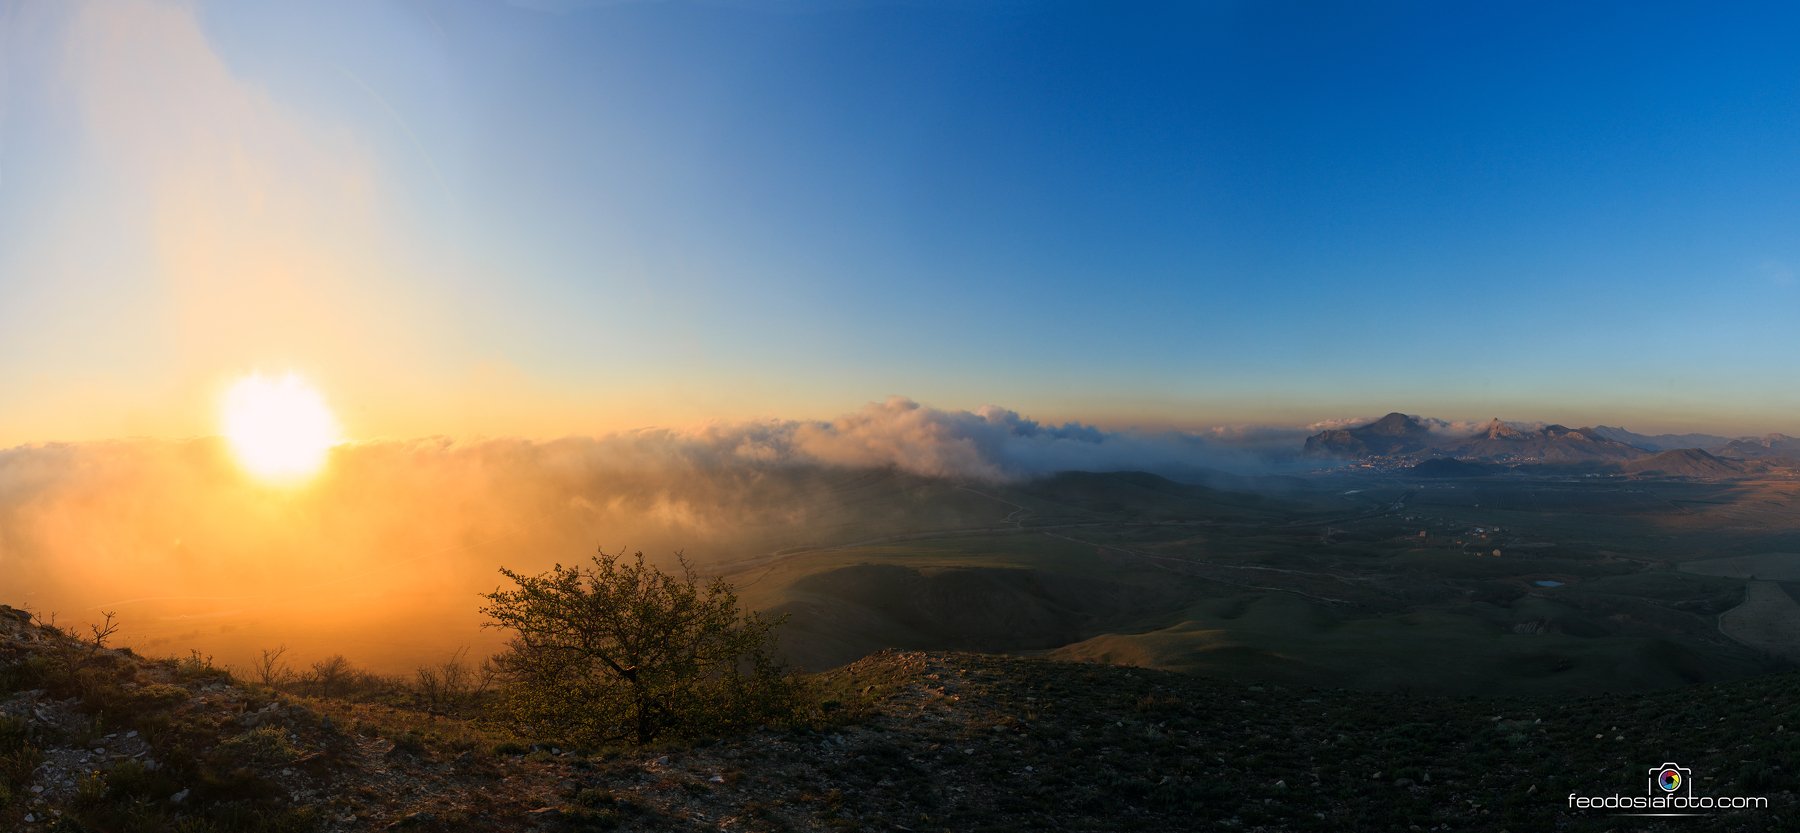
x,y
382,555
993,444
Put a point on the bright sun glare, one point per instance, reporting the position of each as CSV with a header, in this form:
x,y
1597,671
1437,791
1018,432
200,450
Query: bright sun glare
x,y
279,428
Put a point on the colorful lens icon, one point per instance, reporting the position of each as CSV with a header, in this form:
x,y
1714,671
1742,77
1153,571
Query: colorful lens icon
x,y
1669,780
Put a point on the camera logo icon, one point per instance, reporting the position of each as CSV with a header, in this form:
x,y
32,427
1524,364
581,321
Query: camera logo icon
x,y
1671,779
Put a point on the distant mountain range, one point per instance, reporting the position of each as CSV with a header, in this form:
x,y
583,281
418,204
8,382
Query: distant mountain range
x,y
1766,446
1660,442
1684,462
1399,435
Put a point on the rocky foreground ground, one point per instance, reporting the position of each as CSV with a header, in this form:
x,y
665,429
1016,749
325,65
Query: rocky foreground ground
x,y
93,739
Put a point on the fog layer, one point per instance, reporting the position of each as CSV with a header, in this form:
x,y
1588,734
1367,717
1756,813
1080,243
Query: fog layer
x,y
382,556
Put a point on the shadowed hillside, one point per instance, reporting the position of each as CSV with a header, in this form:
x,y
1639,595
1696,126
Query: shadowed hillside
x,y
1522,582
904,742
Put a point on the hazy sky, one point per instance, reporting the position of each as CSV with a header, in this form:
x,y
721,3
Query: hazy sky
x,y
557,217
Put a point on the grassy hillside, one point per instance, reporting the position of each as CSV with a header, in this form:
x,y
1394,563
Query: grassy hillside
x,y
904,741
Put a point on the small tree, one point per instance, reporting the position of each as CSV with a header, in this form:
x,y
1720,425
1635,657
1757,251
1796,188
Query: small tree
x,y
103,631
621,651
270,670
444,686
331,672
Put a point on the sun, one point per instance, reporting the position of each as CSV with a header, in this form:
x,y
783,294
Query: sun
x,y
279,428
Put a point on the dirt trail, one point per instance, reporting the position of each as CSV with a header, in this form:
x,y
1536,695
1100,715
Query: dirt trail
x,y
1767,620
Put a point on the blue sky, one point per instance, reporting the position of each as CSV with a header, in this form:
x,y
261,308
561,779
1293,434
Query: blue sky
x,y
492,218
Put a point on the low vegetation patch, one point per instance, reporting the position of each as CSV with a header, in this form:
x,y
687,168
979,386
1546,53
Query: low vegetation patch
x,y
621,651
